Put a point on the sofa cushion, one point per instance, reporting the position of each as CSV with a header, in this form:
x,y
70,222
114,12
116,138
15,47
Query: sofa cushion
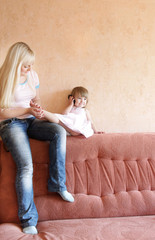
x,y
110,175
124,228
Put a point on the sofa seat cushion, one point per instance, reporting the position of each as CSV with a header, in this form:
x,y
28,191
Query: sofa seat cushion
x,y
123,228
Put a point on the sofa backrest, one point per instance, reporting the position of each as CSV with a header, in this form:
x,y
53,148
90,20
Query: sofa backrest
x,y
109,174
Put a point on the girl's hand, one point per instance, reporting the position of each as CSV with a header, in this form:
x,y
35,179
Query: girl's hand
x,y
71,100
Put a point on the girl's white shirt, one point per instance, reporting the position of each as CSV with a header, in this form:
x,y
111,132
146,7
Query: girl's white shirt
x,y
77,121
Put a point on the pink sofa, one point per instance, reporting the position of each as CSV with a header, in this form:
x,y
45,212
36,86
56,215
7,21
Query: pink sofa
x,y
112,177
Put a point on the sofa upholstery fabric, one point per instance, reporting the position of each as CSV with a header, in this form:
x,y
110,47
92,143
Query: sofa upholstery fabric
x,y
111,176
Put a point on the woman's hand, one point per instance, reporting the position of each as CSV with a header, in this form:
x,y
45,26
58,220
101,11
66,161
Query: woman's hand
x,y
38,113
36,110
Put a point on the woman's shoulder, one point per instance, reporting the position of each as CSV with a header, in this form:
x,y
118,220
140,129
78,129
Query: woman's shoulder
x,y
33,73
34,77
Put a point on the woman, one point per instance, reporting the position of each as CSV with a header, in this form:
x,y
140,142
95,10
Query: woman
x,y
19,85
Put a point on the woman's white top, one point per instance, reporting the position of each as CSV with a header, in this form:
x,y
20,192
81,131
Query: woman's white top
x,y
25,92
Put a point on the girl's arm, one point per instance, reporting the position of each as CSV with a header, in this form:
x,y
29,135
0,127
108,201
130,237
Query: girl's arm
x,y
90,119
69,107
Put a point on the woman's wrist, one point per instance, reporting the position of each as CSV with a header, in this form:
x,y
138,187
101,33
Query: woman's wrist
x,y
29,110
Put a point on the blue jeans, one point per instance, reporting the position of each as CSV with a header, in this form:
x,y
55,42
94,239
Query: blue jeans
x,y
15,134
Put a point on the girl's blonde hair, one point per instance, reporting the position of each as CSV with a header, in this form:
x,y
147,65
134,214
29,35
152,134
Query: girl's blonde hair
x,y
83,92
19,53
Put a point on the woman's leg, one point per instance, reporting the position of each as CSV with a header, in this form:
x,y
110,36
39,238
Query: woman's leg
x,y
14,136
46,131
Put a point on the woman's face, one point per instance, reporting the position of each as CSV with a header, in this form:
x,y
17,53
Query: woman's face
x,y
25,68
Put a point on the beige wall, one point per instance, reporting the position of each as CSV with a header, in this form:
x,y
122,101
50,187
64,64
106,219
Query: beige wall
x,y
108,46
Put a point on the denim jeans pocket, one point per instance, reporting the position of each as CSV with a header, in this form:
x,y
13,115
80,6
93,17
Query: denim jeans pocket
x,y
4,124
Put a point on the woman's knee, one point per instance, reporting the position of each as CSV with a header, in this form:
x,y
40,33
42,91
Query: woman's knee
x,y
56,131
25,170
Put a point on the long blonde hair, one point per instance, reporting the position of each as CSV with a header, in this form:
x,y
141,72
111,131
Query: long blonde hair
x,y
18,54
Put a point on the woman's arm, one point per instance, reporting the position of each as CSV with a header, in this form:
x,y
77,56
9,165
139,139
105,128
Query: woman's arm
x,y
19,111
37,97
14,112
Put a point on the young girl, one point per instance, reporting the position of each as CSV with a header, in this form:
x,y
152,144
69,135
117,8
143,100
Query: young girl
x,y
75,118
19,84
